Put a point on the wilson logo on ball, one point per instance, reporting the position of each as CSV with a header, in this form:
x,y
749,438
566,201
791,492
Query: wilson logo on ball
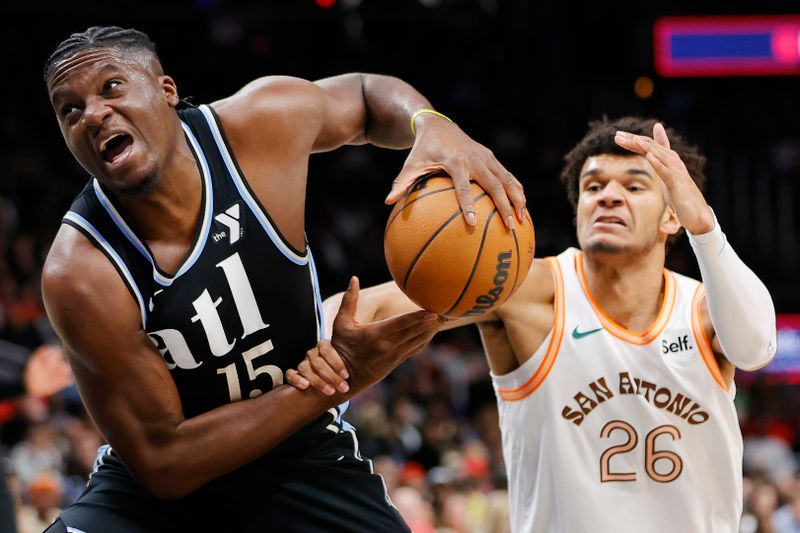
x,y
484,302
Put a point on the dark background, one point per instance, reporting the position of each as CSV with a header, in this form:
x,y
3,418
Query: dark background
x,y
521,77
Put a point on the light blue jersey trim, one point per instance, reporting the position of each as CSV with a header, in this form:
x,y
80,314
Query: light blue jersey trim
x,y
317,297
102,451
134,240
321,333
83,223
245,194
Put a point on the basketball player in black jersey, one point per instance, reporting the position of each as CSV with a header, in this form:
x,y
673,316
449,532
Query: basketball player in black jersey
x,y
181,283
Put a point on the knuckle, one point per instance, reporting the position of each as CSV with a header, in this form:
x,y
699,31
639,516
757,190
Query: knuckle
x,y
462,186
382,346
497,189
369,336
334,360
304,366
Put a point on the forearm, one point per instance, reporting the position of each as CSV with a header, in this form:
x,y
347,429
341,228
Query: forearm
x,y
740,306
217,442
390,102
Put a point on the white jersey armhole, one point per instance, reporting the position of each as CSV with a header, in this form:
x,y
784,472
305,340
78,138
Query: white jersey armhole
x,y
504,383
703,343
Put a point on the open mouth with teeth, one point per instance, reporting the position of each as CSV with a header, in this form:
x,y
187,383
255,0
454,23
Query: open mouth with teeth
x,y
115,146
610,220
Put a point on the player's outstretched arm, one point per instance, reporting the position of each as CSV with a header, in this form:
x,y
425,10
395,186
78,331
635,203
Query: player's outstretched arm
x,y
132,397
740,306
370,108
326,368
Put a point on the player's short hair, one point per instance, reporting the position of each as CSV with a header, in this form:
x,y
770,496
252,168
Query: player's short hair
x,y
599,139
100,37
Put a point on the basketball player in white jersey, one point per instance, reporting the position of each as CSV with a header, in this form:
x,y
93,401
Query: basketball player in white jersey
x,y
613,375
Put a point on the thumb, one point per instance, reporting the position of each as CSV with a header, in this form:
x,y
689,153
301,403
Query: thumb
x,y
347,310
401,184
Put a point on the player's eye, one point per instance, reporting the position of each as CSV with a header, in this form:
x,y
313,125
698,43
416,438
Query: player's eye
x,y
68,109
110,85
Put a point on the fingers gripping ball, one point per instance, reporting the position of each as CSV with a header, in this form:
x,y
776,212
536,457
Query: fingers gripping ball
x,y
445,265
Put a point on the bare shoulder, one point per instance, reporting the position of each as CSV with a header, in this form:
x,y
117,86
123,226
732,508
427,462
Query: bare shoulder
x,y
80,287
537,288
268,93
270,103
69,266
527,318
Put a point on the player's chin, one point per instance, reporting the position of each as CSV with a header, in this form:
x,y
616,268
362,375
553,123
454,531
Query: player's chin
x,y
141,185
131,181
605,244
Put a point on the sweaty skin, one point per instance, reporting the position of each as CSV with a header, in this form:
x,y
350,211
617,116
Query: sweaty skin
x,y
273,125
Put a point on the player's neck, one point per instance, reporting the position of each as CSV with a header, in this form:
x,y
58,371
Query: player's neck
x,y
170,210
630,291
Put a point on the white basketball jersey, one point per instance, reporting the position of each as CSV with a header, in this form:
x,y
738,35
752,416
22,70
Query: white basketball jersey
x,y
607,430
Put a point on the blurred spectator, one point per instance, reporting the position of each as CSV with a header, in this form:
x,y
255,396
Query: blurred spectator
x,y
416,511
38,454
787,518
45,495
39,373
771,457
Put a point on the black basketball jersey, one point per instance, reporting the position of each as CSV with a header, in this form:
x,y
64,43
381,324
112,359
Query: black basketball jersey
x,y
243,306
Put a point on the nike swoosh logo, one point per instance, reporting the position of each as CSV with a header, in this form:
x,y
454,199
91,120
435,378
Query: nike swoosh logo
x,y
581,334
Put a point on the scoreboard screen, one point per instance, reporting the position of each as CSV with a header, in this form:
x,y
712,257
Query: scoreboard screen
x,y
727,46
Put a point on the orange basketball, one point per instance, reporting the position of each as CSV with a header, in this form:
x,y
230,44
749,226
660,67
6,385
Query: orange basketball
x,y
447,266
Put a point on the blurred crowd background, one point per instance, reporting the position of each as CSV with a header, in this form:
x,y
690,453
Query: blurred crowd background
x,y
521,77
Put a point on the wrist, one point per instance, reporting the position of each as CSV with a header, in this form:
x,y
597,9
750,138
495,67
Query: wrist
x,y
704,226
423,115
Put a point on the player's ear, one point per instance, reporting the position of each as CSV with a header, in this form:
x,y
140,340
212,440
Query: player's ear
x,y
170,90
669,223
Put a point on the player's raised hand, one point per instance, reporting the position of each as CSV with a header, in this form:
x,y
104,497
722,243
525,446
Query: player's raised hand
x,y
441,145
685,197
364,352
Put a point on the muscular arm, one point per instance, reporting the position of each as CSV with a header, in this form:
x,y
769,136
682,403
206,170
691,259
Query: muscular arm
x,y
510,335
130,393
324,115
274,123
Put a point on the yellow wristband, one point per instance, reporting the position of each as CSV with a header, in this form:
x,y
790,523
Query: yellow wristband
x,y
419,112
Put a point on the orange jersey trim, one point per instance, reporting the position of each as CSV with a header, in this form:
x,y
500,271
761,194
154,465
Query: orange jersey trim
x,y
621,332
701,339
538,377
